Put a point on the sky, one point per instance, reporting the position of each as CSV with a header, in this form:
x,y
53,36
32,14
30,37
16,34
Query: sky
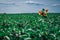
x,y
29,6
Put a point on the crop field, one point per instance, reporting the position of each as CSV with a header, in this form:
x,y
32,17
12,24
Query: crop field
x,y
30,27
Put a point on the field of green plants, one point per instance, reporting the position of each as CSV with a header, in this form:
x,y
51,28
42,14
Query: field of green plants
x,y
29,27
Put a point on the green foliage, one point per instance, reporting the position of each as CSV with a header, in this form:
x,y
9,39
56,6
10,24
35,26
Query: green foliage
x,y
29,27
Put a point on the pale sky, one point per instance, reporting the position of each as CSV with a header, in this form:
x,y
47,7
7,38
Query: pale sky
x,y
28,6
